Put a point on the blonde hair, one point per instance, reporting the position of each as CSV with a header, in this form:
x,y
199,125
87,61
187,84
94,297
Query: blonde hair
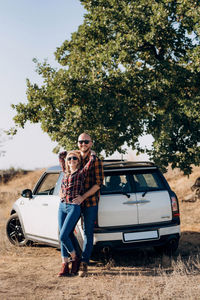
x,y
75,153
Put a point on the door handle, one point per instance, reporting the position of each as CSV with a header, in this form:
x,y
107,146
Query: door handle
x,y
137,202
130,202
143,201
45,204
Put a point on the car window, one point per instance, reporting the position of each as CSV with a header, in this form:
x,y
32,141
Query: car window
x,y
147,182
116,183
58,184
47,184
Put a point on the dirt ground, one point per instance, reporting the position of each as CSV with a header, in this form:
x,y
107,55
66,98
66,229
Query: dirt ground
x,y
30,272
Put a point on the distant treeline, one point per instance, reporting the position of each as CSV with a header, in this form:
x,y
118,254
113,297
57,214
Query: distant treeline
x,y
6,175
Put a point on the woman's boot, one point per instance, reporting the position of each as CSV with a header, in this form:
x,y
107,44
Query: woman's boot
x,y
64,270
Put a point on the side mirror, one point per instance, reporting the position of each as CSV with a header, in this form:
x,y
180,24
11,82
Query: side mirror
x,y
27,194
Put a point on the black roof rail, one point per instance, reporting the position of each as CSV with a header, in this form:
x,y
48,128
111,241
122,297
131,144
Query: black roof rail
x,y
144,162
128,163
114,160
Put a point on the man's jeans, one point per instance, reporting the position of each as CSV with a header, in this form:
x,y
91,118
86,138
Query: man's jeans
x,y
68,215
89,218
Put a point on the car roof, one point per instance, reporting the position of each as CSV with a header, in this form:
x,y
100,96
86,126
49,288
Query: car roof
x,y
127,164
114,164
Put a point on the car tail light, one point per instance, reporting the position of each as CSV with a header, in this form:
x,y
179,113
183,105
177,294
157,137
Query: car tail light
x,y
175,207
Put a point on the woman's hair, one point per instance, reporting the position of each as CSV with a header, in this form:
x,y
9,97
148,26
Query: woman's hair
x,y
72,153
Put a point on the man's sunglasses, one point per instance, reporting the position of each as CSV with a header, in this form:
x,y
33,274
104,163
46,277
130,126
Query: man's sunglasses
x,y
72,157
84,141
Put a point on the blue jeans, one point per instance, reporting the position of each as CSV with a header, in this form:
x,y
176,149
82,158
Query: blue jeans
x,y
68,215
89,217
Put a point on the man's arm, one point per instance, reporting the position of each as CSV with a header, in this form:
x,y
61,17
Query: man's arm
x,y
79,199
99,173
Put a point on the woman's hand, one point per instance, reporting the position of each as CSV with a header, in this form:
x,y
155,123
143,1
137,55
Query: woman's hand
x,y
61,195
78,200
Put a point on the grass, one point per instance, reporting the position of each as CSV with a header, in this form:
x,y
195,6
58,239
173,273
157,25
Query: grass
x,y
30,272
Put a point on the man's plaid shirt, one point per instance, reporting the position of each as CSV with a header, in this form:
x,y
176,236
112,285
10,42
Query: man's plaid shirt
x,y
73,184
95,175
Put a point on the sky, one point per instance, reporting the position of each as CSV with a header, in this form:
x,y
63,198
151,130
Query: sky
x,y
31,29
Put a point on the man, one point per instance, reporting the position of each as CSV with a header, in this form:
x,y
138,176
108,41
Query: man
x,y
89,200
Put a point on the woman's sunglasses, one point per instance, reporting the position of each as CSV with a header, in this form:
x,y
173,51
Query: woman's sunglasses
x,y
72,157
84,141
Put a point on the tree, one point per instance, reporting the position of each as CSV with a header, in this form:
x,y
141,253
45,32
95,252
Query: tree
x,y
131,69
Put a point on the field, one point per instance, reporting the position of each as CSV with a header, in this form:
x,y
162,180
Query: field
x,y
30,272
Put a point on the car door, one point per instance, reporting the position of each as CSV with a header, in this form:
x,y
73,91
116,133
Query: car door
x,y
117,205
153,200
40,213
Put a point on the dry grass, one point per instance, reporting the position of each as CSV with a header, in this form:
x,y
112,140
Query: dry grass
x,y
182,184
30,272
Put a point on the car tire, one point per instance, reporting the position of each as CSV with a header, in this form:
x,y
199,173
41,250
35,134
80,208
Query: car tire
x,y
15,232
169,249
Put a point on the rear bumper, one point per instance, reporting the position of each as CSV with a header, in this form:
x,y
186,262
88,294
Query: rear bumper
x,y
116,240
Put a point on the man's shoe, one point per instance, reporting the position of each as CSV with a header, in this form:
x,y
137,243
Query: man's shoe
x,y
75,266
83,269
64,270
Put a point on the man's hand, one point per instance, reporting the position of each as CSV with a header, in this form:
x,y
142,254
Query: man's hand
x,y
78,200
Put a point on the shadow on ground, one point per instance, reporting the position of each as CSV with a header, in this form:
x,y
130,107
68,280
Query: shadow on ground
x,y
148,263
189,243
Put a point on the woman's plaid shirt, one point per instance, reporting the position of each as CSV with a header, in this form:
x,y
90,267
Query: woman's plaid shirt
x,y
95,175
73,184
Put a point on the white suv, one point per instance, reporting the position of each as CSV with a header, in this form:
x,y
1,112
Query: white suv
x,y
137,208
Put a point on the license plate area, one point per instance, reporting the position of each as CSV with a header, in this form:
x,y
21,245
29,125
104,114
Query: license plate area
x,y
139,236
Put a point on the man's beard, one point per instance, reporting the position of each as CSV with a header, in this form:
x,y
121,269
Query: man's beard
x,y
85,151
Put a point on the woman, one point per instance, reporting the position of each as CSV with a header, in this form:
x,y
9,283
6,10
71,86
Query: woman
x,y
69,213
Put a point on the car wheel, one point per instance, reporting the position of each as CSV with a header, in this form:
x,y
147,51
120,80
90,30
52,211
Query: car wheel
x,y
169,248
14,231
